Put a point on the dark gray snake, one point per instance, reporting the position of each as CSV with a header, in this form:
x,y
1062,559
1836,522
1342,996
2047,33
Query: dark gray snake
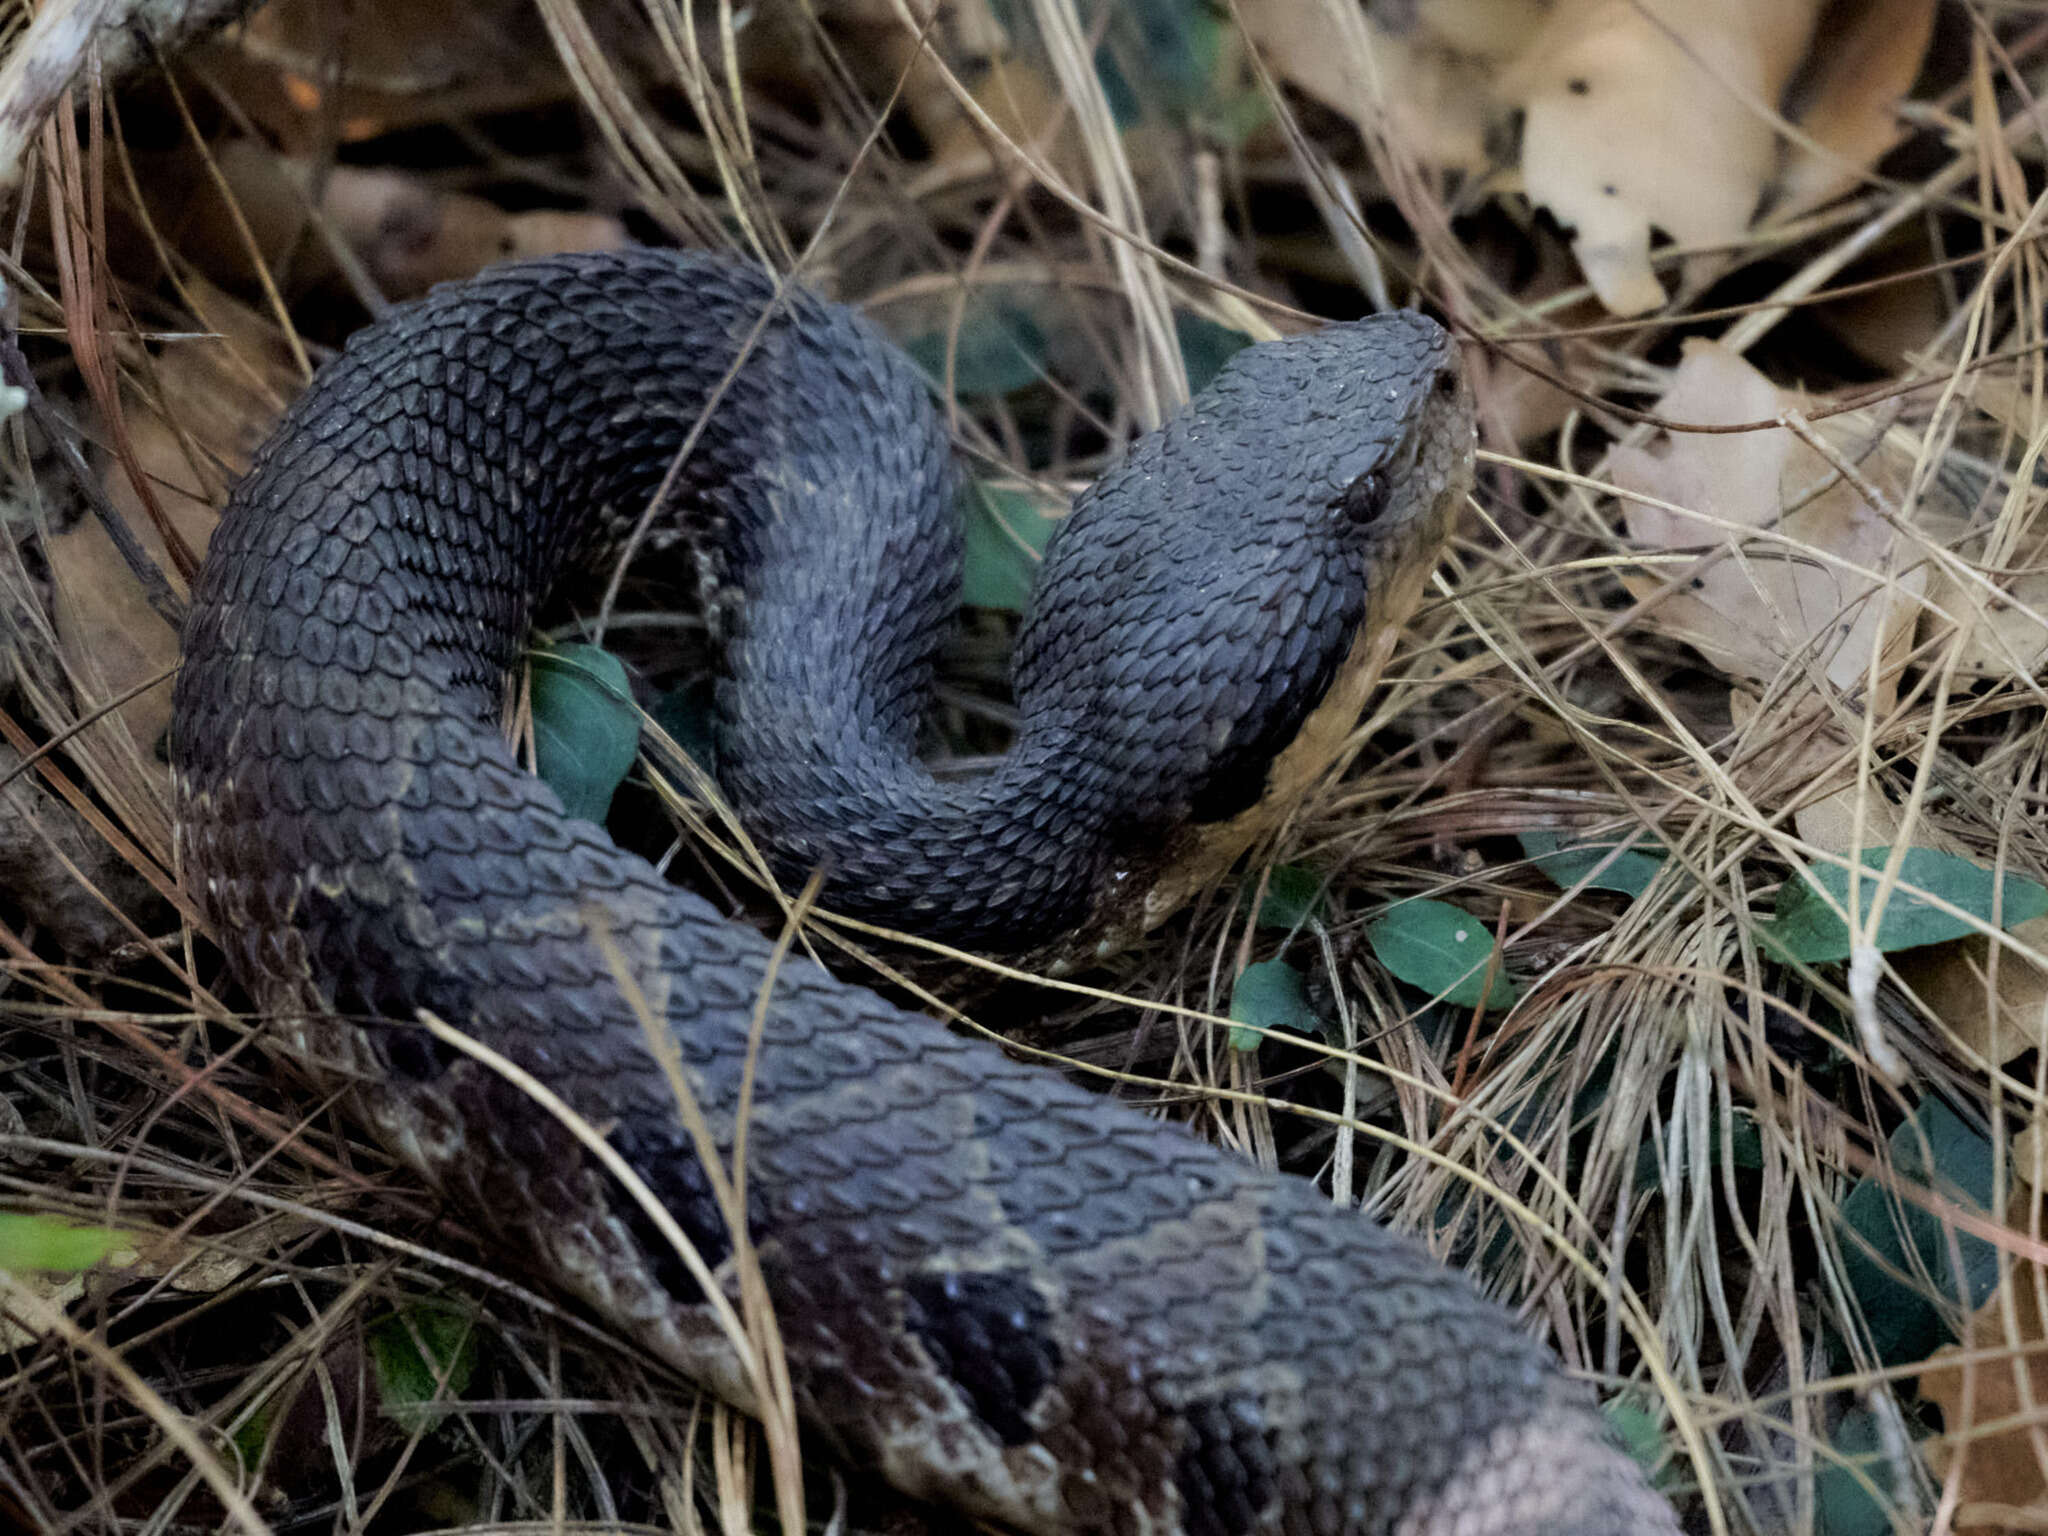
x,y
1002,1291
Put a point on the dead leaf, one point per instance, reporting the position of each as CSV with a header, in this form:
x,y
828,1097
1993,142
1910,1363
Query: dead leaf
x,y
2029,1164
1886,326
411,237
300,67
1428,82
2016,402
2002,631
1025,103
1801,595
1953,980
1480,29
1650,115
1867,60
2002,1470
227,392
1640,117
1753,611
407,234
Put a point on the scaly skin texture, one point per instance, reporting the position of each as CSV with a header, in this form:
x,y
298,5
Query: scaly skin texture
x,y
999,1289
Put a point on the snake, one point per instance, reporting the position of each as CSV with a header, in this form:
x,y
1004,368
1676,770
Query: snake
x,y
997,1289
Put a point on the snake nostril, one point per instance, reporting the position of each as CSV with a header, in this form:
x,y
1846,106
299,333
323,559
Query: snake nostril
x,y
1446,385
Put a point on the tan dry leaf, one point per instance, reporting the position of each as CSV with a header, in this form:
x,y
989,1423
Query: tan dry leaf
x,y
2029,1161
2012,400
1024,102
1887,326
1640,115
1753,608
1482,29
1866,60
1953,980
2002,1471
60,1291
1832,823
1428,83
2003,636
1796,751
407,234
411,243
1519,406
1754,611
388,64
227,392
1644,114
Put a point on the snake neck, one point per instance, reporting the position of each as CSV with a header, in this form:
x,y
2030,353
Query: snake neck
x,y
820,710
1148,724
1005,863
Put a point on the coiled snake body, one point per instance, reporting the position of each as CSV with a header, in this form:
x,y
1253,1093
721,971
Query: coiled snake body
x,y
1001,1290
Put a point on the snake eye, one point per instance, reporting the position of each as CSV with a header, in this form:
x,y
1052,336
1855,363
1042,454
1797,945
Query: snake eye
x,y
1364,499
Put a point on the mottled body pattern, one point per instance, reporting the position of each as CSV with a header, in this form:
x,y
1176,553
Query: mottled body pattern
x,y
1000,1289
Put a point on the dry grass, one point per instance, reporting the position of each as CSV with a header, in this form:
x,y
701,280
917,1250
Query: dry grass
x,y
1577,1150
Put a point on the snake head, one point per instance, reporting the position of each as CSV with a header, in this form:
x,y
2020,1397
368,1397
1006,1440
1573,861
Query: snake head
x,y
1371,419
1215,611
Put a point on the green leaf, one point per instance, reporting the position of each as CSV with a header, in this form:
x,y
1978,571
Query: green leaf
x,y
1745,1140
1844,1502
686,714
1802,926
1271,995
1906,1300
1637,1428
1568,863
1445,951
1236,115
1205,347
1125,109
585,729
254,1434
1000,349
1162,52
31,1242
1293,899
413,1350
1005,540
